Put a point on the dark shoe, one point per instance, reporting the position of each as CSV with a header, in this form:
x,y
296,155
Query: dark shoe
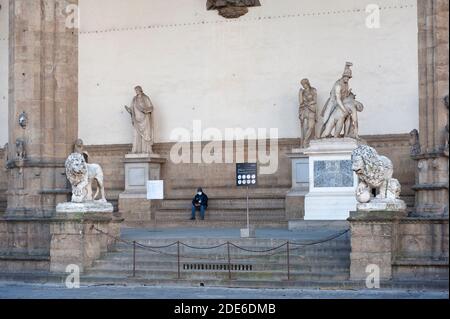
x,y
192,218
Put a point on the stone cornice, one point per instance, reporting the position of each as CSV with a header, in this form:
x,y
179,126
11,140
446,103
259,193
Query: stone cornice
x,y
376,140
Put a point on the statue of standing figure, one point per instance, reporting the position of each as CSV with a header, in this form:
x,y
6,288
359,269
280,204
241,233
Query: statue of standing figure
x,y
307,112
141,111
340,113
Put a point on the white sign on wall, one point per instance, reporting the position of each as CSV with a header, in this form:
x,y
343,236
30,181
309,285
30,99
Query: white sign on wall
x,y
155,190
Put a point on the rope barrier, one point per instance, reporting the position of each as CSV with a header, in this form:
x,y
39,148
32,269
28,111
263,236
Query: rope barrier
x,y
224,244
321,241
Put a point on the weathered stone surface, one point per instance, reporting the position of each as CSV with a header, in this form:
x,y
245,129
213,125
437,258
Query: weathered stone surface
x,y
231,9
87,207
380,205
432,184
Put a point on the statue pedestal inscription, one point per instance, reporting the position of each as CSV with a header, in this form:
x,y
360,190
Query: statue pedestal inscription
x,y
332,182
133,203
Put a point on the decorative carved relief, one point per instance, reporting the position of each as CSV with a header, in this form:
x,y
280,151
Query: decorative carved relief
x,y
414,142
232,9
20,149
446,144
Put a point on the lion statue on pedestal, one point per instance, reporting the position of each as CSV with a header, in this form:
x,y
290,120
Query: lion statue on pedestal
x,y
374,172
81,175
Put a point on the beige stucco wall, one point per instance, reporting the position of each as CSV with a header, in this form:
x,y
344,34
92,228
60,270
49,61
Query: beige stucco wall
x,y
195,64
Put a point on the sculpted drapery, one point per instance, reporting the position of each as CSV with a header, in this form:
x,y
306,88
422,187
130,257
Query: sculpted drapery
x,y
141,111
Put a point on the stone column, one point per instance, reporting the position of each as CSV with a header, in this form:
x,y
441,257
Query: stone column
x,y
43,81
43,93
432,182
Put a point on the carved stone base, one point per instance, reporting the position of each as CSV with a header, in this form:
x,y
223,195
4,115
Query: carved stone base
x,y
332,182
133,203
295,198
393,205
88,207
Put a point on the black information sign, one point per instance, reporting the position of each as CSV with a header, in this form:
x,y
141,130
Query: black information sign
x,y
246,174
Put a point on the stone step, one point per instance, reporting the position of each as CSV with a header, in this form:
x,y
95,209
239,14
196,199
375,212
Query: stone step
x,y
211,224
226,212
227,204
211,218
337,249
223,275
223,215
231,192
248,243
316,267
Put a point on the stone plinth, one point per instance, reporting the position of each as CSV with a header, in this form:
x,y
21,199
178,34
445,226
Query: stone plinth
x,y
74,238
393,205
133,203
332,183
95,206
373,241
295,198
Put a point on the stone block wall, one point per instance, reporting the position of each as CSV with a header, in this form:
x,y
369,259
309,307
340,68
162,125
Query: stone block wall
x,y
24,245
218,179
404,248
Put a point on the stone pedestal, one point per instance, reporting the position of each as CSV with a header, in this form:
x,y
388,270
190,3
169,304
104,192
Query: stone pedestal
x,y
295,198
74,238
133,203
332,183
374,242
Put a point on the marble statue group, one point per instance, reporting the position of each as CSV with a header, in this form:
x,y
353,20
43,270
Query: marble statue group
x,y
339,116
337,119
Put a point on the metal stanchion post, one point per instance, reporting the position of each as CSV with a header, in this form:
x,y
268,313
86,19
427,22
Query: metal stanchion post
x,y
229,260
288,261
178,257
134,258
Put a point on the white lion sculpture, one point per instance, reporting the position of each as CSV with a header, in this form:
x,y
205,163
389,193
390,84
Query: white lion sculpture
x,y
374,172
81,175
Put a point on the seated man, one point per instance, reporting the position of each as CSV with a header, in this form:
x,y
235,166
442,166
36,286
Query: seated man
x,y
200,202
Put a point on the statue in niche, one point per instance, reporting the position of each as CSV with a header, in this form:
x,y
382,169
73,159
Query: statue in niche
x,y
6,154
446,143
20,149
232,9
414,142
340,112
141,111
307,112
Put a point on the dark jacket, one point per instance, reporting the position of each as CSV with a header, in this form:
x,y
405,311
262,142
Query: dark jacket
x,y
200,199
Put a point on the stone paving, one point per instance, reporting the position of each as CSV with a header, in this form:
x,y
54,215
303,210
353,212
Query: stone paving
x,y
34,291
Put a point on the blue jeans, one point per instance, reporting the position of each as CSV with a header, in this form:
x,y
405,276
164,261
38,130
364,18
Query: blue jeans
x,y
202,211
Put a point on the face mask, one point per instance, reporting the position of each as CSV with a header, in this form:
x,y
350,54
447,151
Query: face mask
x,y
199,193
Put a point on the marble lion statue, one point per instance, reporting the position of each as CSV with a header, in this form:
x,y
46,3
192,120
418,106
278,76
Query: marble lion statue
x,y
374,172
81,176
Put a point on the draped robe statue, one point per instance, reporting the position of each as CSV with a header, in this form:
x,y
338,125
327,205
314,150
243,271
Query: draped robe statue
x,y
141,112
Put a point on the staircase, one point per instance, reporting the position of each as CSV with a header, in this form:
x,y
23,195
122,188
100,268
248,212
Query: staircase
x,y
223,212
325,264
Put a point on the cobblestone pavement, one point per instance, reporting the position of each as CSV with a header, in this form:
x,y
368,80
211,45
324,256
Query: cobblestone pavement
x,y
34,291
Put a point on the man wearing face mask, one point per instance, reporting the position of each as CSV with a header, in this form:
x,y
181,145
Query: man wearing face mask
x,y
199,202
